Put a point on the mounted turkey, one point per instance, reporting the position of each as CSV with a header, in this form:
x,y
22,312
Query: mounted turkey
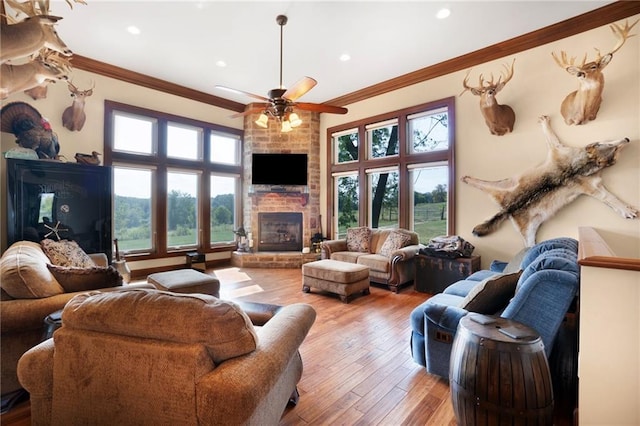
x,y
30,128
281,102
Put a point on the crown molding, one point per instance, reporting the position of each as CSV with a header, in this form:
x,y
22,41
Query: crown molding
x,y
102,68
578,24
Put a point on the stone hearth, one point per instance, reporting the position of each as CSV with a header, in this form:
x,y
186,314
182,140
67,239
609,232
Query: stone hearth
x,y
266,259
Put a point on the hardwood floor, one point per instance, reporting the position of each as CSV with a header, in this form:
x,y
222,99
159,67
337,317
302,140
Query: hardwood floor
x,y
357,361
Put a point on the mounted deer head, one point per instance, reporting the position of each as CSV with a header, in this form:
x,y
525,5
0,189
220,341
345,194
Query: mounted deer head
x,y
28,37
583,104
42,70
499,118
73,117
40,91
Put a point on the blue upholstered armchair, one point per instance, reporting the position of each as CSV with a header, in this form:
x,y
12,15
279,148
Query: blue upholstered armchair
x,y
535,289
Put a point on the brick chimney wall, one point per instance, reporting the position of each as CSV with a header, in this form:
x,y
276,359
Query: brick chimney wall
x,y
304,139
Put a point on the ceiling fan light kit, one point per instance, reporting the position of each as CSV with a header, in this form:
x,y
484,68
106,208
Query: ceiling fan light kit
x,y
281,102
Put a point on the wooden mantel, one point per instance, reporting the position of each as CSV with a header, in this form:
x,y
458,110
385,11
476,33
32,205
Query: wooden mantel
x,y
609,327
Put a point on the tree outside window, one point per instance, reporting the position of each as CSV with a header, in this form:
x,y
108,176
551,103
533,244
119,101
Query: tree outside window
x,y
410,179
182,209
347,190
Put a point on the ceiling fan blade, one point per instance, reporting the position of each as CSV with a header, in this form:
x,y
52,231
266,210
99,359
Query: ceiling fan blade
x,y
242,92
252,110
322,108
301,87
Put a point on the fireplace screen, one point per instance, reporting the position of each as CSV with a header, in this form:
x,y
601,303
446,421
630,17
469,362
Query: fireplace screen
x,y
280,231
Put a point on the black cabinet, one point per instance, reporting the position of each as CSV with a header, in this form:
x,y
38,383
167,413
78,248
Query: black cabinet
x,y
434,274
51,199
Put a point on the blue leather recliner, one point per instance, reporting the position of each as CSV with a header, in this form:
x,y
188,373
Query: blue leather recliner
x,y
544,293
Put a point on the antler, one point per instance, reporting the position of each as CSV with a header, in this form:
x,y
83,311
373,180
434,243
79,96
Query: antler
x,y
466,86
622,34
564,62
508,73
28,7
36,7
484,84
54,59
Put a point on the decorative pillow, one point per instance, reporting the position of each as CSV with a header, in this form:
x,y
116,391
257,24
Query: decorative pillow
x,y
23,268
359,239
221,326
74,279
395,241
66,253
491,294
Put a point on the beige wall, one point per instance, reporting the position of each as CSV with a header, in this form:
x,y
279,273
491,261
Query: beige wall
x,y
91,137
538,87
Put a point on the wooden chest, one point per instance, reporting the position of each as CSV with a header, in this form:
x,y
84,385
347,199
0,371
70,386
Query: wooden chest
x,y
434,274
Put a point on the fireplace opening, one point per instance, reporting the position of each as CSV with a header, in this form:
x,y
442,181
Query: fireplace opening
x,y
279,231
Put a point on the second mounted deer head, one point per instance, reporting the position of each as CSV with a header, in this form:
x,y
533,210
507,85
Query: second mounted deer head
x,y
582,105
499,118
73,117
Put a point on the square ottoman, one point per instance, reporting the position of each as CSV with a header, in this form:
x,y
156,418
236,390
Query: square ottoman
x,y
185,281
341,278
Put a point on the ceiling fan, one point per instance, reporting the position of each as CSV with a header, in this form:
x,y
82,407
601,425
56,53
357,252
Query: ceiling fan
x,y
280,102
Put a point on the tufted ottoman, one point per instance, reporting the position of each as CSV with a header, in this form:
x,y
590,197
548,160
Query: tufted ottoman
x,y
185,281
341,278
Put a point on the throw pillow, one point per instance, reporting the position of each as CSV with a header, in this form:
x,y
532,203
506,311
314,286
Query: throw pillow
x,y
23,268
395,241
491,294
66,253
359,239
74,279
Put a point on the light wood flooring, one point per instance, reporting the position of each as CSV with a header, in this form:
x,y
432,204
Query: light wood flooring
x,y
358,368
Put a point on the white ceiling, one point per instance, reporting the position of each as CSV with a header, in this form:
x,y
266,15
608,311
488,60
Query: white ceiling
x,y
181,41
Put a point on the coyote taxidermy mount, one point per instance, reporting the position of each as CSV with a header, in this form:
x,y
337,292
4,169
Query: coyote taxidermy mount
x,y
535,195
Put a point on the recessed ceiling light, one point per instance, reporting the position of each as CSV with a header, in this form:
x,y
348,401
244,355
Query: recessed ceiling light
x,y
443,13
345,57
132,29
221,64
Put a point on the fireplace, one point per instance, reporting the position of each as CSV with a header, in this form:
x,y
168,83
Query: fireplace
x,y
279,231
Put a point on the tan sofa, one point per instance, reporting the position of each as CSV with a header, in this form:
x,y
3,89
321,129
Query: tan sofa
x,y
29,293
160,358
388,264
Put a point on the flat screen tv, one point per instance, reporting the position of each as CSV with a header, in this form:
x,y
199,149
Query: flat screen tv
x,y
279,169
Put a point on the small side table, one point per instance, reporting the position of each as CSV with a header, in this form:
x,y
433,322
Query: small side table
x,y
52,322
196,261
499,379
434,274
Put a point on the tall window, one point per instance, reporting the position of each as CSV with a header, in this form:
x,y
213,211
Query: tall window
x,y
175,181
223,207
347,203
407,164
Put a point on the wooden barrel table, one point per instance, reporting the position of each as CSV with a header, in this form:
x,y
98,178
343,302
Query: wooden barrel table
x,y
498,379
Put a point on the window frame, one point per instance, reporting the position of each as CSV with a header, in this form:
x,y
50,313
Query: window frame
x,y
402,161
162,163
